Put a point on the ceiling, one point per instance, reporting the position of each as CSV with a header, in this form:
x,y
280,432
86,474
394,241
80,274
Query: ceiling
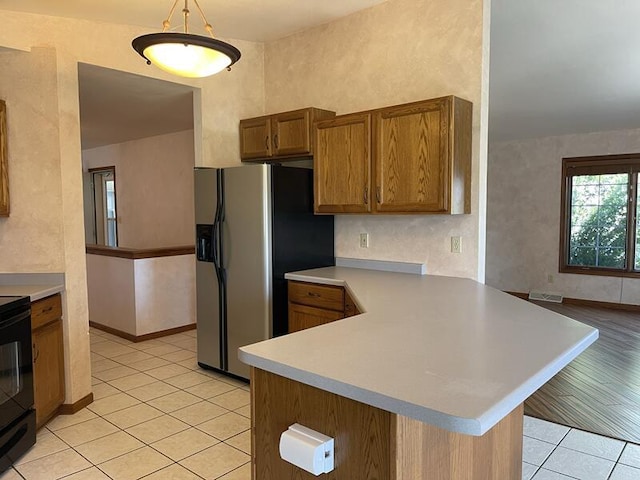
x,y
557,67
560,67
255,20
117,107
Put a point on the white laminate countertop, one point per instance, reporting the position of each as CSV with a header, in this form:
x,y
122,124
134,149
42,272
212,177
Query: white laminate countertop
x,y
447,351
34,292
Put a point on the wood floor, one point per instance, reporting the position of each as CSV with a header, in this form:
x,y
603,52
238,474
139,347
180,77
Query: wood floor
x,y
600,390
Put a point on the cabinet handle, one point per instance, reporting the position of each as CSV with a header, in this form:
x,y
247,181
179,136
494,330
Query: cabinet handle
x,y
47,310
313,294
275,141
266,142
366,195
378,194
36,353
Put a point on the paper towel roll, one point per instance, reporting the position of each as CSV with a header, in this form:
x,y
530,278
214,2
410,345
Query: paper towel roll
x,y
305,448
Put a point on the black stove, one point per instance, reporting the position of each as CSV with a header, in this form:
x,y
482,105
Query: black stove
x,y
17,416
9,303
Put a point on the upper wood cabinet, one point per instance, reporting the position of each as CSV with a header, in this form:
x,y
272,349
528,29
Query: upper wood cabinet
x,y
342,165
283,135
413,158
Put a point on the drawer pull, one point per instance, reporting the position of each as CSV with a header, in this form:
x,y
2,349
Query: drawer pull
x,y
47,310
313,294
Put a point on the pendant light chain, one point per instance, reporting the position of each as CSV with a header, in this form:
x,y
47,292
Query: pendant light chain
x,y
185,12
207,25
167,23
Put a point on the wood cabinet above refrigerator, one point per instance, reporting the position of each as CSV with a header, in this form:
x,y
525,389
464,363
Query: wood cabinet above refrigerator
x,y
280,136
412,158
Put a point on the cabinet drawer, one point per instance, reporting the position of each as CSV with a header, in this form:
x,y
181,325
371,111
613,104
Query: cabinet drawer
x,y
322,296
45,311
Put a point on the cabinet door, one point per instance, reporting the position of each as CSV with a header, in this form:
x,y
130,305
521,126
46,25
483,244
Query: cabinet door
x,y
291,132
412,157
301,317
342,165
48,370
255,138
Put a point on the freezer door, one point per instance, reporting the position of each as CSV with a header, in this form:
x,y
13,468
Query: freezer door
x,y
301,240
207,288
246,247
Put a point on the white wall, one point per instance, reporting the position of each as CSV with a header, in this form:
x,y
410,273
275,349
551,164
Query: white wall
x,y
142,296
112,287
397,52
165,291
523,216
154,188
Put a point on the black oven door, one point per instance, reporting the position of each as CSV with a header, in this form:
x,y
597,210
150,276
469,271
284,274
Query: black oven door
x,y
16,369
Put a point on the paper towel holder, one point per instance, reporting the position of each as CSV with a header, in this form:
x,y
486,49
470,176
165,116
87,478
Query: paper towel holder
x,y
307,449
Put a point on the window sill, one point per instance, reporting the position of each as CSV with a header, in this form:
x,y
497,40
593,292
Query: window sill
x,y
602,272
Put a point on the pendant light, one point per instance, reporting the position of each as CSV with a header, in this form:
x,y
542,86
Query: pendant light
x,y
186,54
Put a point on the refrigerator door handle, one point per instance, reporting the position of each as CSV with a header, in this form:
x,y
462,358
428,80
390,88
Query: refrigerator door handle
x,y
219,267
214,245
215,234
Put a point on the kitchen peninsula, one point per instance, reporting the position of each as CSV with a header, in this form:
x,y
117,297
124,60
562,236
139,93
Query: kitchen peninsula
x,y
427,383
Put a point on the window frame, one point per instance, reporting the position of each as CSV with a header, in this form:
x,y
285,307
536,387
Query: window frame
x,y
574,166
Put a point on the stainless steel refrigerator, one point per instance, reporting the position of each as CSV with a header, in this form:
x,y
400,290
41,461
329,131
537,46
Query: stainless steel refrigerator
x,y
254,223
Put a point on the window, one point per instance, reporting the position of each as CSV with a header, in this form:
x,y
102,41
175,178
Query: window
x,y
600,234
103,228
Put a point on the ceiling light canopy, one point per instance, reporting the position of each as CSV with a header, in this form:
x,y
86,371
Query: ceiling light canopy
x,y
186,54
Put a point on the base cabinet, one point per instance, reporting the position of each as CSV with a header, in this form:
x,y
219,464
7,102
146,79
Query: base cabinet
x,y
311,305
371,443
48,357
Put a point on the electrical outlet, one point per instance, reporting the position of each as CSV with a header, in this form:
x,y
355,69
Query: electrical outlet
x,y
456,244
364,240
549,278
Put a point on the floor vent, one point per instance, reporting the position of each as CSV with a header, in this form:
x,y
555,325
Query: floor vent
x,y
545,297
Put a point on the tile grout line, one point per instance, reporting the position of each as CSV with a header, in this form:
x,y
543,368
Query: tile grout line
x,y
182,353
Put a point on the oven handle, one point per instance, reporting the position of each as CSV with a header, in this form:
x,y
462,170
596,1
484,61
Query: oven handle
x,y
15,318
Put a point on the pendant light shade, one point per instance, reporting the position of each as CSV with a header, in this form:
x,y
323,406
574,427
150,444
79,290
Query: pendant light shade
x,y
186,54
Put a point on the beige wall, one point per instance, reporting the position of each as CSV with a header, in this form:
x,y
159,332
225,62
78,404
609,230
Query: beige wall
x,y
154,188
31,238
399,51
45,152
523,216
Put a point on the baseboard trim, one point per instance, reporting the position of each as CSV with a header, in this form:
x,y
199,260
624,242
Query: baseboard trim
x,y
71,408
142,338
587,303
524,296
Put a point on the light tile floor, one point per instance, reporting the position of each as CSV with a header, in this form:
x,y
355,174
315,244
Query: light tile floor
x,y
556,452
158,416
